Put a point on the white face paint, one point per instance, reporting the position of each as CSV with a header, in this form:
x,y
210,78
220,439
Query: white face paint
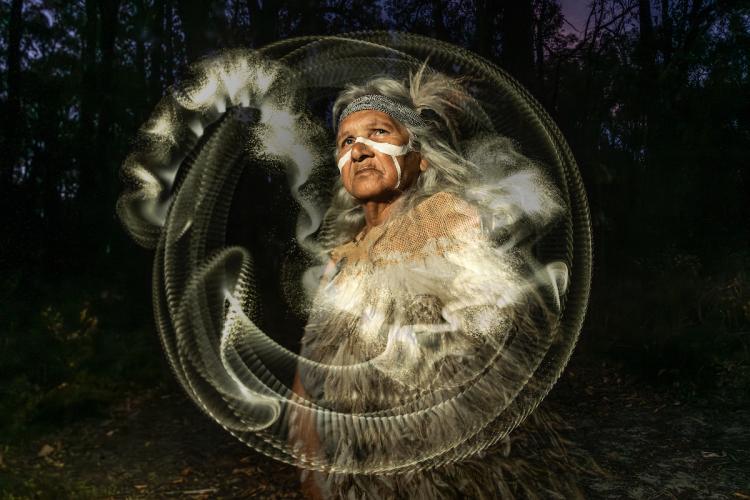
x,y
391,150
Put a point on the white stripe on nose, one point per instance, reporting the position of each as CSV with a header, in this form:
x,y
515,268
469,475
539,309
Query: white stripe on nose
x,y
391,150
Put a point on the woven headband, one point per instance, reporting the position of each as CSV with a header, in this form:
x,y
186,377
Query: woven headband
x,y
377,102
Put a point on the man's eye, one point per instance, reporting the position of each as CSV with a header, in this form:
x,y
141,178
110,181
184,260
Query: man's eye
x,y
348,141
380,131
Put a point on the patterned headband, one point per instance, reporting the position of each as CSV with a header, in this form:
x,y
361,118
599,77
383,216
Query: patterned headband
x,y
377,102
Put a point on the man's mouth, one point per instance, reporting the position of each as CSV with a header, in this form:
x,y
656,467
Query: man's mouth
x,y
365,169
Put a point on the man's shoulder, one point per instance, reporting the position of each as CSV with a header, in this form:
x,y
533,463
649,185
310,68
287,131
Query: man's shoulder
x,y
443,200
448,211
440,218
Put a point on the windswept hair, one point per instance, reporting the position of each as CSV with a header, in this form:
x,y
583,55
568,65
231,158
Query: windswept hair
x,y
440,101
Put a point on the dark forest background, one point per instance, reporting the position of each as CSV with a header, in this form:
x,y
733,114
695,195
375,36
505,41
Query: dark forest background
x,y
652,95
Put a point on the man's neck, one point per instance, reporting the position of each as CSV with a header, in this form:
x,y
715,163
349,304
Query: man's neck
x,y
377,212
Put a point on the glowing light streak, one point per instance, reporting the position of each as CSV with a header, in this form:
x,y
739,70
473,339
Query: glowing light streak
x,y
226,362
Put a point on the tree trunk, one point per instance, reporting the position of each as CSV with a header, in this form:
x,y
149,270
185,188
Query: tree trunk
x,y
12,119
647,47
157,38
666,32
90,91
169,42
518,48
486,14
438,20
103,160
109,10
140,58
539,47
49,165
646,56
194,16
263,21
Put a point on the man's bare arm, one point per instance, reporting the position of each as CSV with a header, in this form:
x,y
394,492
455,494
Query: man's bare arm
x,y
306,434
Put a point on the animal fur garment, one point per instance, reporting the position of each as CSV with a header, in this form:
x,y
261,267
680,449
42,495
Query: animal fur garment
x,y
426,320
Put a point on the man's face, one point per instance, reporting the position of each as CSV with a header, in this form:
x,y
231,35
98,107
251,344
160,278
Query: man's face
x,y
371,175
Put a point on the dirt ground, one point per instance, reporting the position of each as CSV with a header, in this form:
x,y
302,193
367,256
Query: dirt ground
x,y
652,443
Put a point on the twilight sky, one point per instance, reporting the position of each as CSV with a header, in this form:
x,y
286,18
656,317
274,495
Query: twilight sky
x,y
575,12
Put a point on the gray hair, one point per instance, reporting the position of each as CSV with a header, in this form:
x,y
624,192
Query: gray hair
x,y
438,99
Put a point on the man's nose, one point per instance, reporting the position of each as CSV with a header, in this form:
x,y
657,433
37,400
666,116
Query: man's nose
x,y
361,151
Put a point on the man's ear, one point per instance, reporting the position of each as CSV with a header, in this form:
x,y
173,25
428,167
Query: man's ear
x,y
423,164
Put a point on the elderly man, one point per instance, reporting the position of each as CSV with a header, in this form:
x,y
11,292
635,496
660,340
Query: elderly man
x,y
414,303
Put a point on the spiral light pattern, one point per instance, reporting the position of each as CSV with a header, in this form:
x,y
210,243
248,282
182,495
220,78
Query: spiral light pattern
x,y
182,176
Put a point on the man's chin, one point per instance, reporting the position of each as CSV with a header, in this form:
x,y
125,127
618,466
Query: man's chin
x,y
375,194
